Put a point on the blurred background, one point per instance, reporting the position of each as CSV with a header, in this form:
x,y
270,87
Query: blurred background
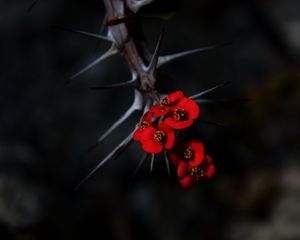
x,y
45,126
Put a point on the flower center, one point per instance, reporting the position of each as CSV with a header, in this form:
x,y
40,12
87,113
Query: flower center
x,y
142,125
179,114
159,136
188,153
165,102
197,172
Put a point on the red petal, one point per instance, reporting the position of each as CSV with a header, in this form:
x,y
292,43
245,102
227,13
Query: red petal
x,y
211,169
175,159
175,96
198,149
151,146
147,141
158,110
176,153
178,125
137,135
182,170
187,182
147,133
191,107
148,116
183,124
170,140
209,160
169,121
165,127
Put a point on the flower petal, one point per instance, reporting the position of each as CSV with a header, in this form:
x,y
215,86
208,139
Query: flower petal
x,y
198,150
147,133
178,125
158,110
175,159
170,140
148,117
137,135
211,167
147,141
187,182
175,96
182,170
165,127
210,172
151,146
191,107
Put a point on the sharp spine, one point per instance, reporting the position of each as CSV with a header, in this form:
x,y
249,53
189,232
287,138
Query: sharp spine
x,y
113,154
200,94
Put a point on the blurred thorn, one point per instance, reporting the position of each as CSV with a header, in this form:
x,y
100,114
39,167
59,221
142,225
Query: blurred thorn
x,y
112,51
167,163
137,105
210,123
87,34
152,162
31,6
271,30
101,28
142,160
113,155
209,90
223,100
129,83
154,59
168,58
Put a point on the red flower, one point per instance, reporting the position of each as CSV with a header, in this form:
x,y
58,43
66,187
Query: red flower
x,y
167,103
191,151
154,140
188,175
146,122
184,114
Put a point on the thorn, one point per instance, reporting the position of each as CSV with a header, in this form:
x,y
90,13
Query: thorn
x,y
101,28
209,90
211,123
148,105
113,154
88,34
142,160
136,5
31,6
136,106
218,100
103,23
167,163
112,51
152,162
168,58
153,62
117,85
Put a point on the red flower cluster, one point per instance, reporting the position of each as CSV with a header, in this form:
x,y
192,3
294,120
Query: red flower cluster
x,y
157,131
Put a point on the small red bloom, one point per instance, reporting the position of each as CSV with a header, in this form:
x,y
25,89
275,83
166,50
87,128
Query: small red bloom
x,y
145,122
189,175
184,114
167,103
154,140
191,151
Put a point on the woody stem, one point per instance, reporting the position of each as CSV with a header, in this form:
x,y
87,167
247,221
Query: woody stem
x,y
126,45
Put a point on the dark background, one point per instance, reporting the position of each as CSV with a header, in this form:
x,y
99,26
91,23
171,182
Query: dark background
x,y
46,126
